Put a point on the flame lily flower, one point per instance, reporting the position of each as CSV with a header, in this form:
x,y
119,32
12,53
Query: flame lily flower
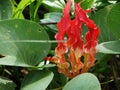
x,y
75,48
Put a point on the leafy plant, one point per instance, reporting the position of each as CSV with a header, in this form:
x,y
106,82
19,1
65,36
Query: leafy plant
x,y
27,40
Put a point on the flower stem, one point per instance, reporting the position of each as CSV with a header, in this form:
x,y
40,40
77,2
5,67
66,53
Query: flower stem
x,y
114,67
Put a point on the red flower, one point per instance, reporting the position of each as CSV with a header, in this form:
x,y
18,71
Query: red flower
x,y
74,47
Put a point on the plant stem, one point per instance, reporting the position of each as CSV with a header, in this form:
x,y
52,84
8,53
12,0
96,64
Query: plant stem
x,y
60,88
48,23
107,82
115,73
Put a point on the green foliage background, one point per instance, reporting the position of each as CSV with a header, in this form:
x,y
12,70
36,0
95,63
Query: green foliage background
x,y
27,29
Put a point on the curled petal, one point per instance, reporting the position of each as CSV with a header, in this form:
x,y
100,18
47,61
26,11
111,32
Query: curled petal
x,y
75,56
89,59
64,68
64,23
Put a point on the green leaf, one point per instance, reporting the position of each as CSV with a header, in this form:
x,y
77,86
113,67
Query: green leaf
x,y
50,20
54,5
22,42
51,17
5,9
6,84
111,47
100,19
13,61
37,80
87,4
86,81
113,20
20,7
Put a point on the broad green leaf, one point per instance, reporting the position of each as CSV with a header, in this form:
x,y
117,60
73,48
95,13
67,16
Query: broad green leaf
x,y
113,20
54,5
86,81
22,42
100,19
5,9
51,19
111,47
13,61
37,80
87,4
6,84
20,7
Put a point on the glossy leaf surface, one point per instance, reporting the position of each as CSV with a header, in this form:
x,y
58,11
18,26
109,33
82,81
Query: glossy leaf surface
x,y
37,80
20,43
84,81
